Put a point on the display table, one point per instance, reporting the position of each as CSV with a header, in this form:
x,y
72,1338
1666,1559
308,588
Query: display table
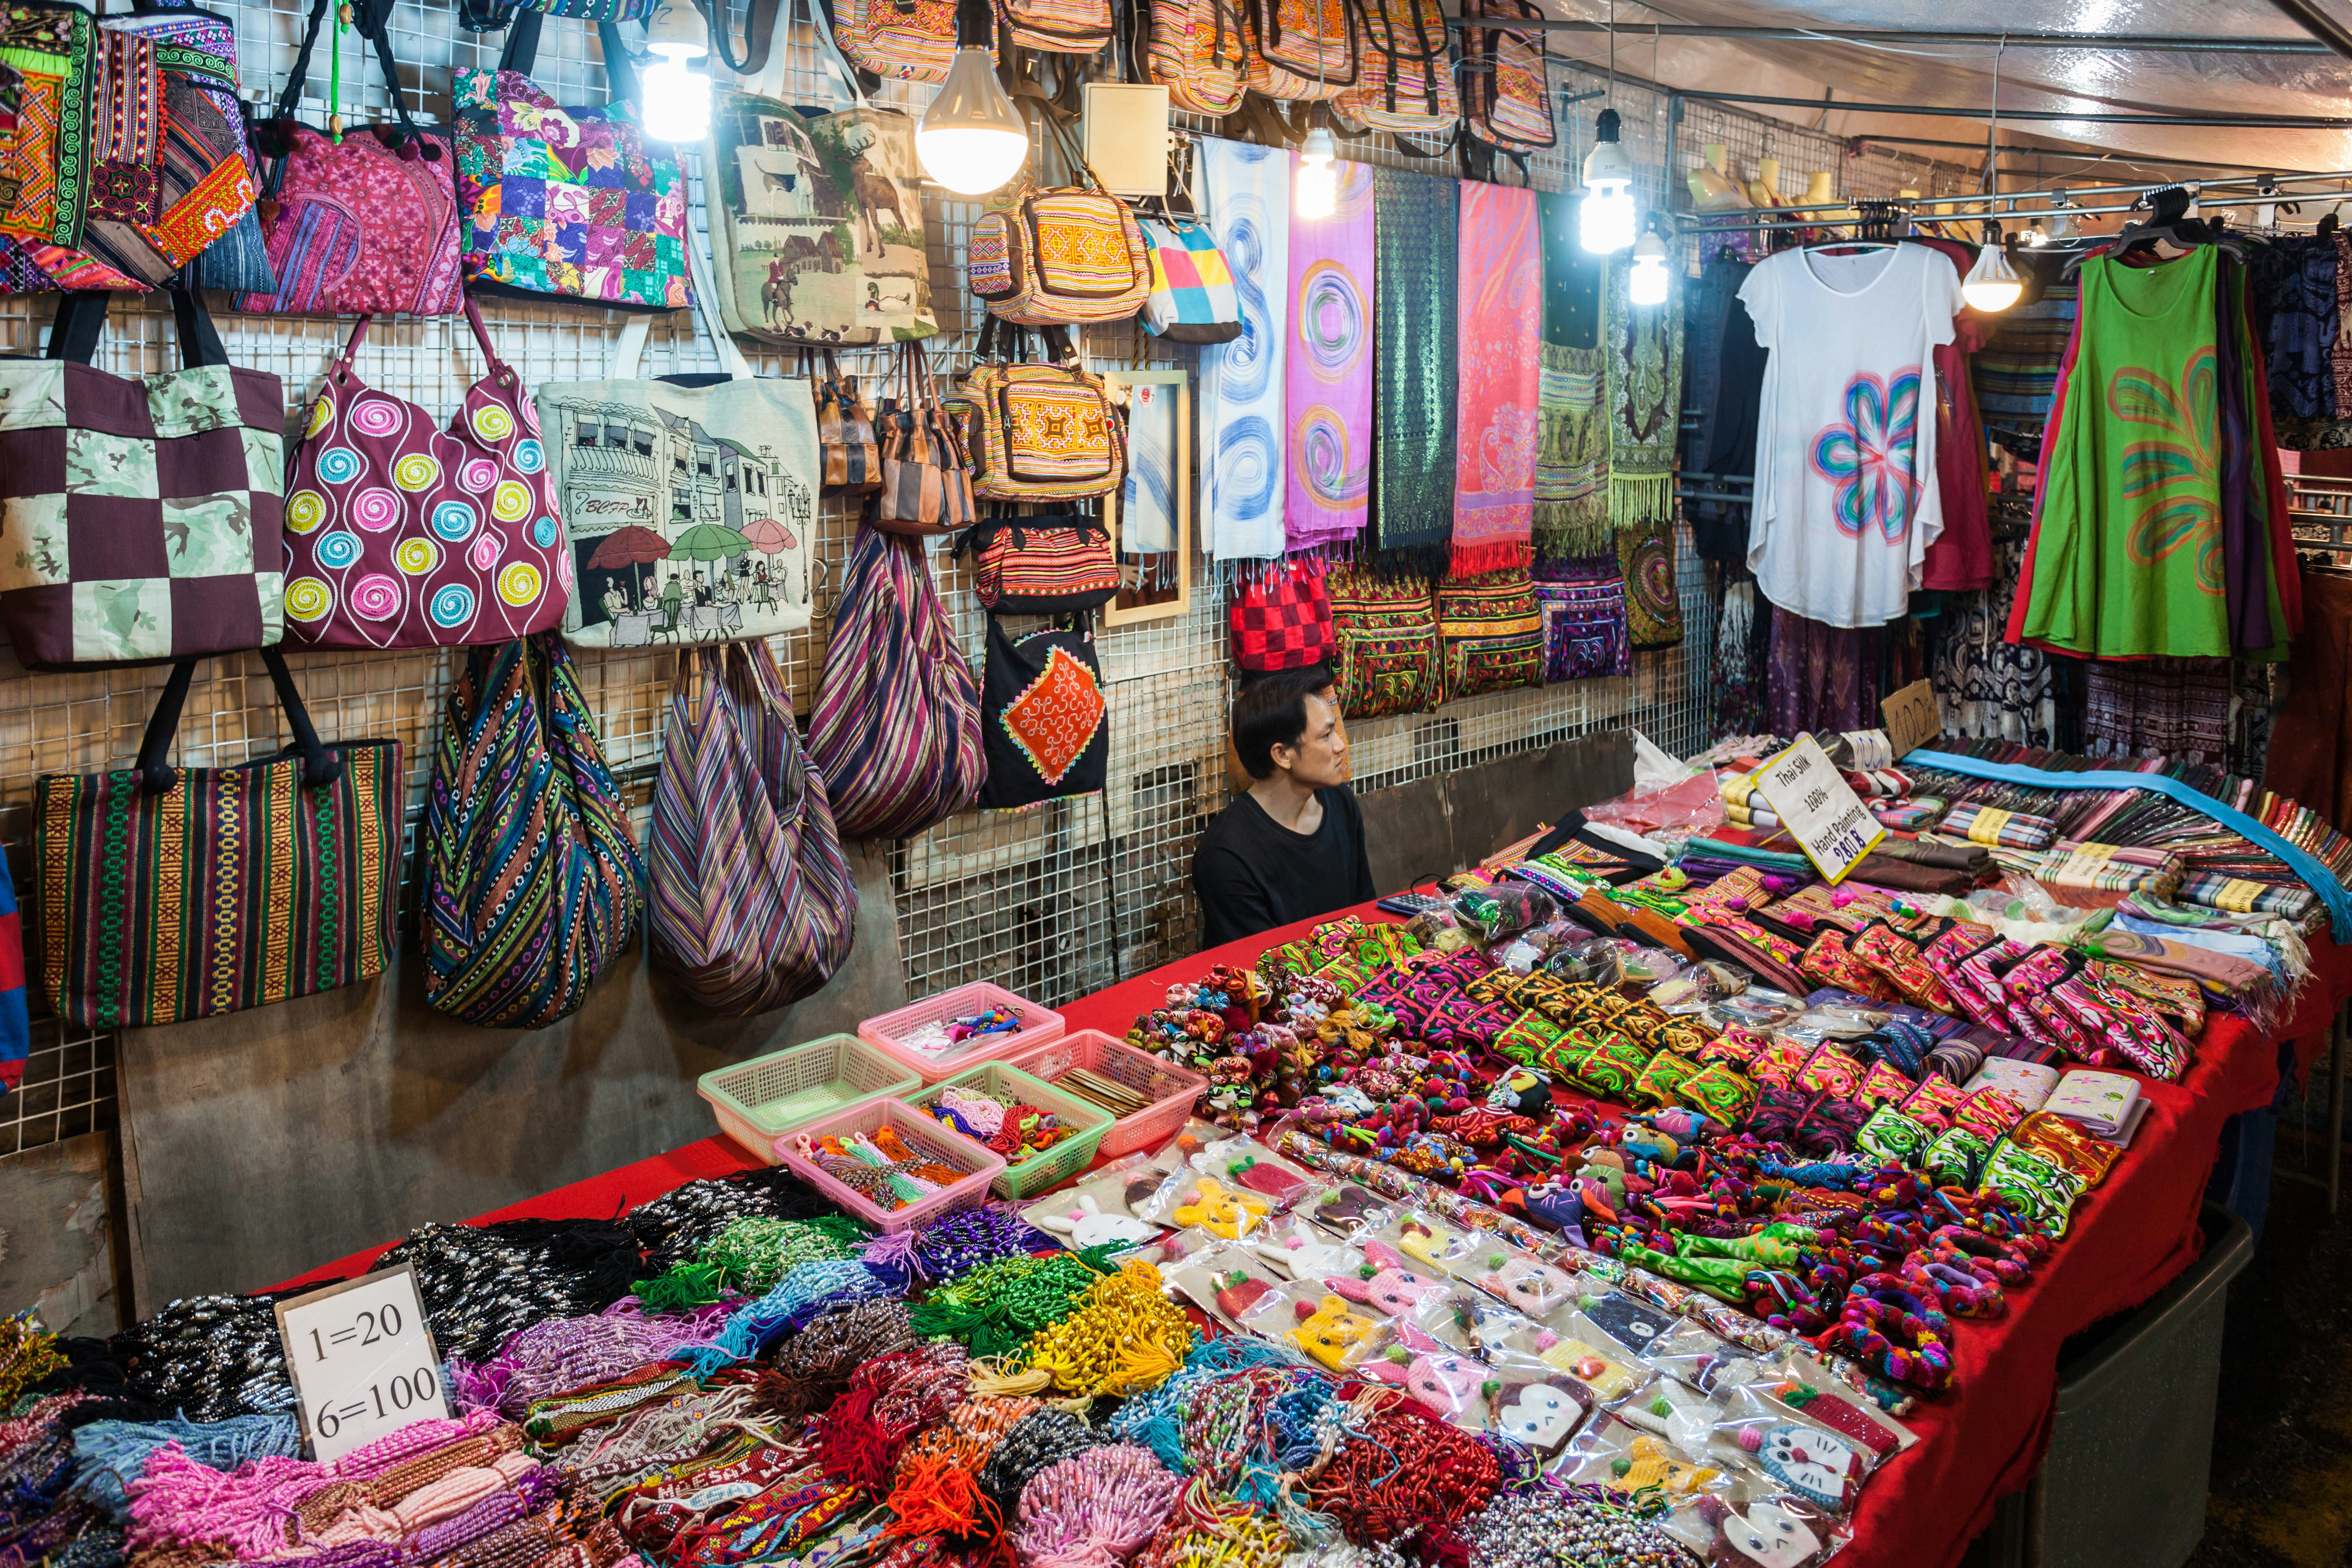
x,y
1979,1441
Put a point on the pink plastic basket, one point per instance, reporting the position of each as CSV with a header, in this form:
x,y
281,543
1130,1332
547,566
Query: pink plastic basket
x,y
944,1144
925,1020
1172,1089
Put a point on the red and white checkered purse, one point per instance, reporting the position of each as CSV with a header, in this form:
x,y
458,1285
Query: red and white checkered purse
x,y
1281,619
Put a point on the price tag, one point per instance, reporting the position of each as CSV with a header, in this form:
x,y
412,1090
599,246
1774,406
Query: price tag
x,y
1819,808
1910,717
362,1361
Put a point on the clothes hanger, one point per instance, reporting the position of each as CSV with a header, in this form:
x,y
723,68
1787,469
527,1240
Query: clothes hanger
x,y
2170,224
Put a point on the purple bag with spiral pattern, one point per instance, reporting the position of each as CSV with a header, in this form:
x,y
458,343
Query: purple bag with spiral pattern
x,y
400,535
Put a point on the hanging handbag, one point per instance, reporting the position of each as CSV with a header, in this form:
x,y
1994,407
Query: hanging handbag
x,y
400,535
1037,432
566,202
846,444
166,894
1385,657
1281,619
896,729
47,140
1062,256
1193,298
926,478
816,222
366,225
1301,51
897,40
1053,26
1585,632
1490,632
691,508
138,515
1044,717
1508,95
532,882
1040,565
752,905
1198,52
1406,82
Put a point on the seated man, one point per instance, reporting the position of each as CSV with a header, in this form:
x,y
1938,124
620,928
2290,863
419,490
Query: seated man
x,y
1293,848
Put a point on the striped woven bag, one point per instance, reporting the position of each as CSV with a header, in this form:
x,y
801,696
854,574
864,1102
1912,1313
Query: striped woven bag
x,y
532,882
897,727
752,905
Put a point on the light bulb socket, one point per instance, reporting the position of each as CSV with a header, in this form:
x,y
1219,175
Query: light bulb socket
x,y
1319,147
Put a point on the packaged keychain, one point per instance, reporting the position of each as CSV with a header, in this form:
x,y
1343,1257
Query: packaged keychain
x,y
1302,1251
1350,1210
1627,1460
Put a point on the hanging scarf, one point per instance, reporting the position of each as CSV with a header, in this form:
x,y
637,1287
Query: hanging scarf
x,y
1645,379
1329,369
1242,389
1414,225
1571,487
1501,316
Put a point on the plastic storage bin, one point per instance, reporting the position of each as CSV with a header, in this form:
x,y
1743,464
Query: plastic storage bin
x,y
758,1099
892,1030
1065,1159
920,1133
1170,1088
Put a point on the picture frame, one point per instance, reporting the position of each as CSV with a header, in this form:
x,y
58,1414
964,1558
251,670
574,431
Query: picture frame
x,y
1154,507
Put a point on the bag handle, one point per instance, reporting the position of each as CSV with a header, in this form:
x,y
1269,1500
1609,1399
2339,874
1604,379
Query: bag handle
x,y
629,348
81,314
372,20
831,50
319,767
521,53
759,34
499,369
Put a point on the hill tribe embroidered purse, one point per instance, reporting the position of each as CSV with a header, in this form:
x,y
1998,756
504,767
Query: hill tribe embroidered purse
x,y
1384,634
1062,257
1491,632
1044,717
1040,565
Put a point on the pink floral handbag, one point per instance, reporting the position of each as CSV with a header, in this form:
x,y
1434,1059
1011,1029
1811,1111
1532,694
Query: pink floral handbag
x,y
400,535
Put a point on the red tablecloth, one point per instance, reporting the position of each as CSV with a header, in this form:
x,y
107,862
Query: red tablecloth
x,y
1978,1443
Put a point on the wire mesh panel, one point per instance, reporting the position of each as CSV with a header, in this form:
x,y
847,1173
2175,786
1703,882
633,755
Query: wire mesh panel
x,y
1053,901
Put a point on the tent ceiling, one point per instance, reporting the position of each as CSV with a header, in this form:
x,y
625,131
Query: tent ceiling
x,y
1961,74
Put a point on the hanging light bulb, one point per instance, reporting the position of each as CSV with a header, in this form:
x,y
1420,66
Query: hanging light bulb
x,y
1605,217
676,101
1992,284
1316,182
1649,283
971,140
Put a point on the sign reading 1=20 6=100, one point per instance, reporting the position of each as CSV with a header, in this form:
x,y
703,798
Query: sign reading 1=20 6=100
x,y
362,1361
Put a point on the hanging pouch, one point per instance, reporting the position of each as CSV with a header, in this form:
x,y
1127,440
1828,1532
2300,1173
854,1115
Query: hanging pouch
x,y
926,476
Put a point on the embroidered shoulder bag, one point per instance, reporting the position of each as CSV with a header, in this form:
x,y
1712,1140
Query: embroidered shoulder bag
x,y
1510,91
1038,432
1044,717
47,144
1066,256
1406,84
926,478
1040,565
167,894
897,40
532,880
1200,54
1491,633
356,223
1281,619
1054,26
1384,638
566,202
1302,51
402,535
752,905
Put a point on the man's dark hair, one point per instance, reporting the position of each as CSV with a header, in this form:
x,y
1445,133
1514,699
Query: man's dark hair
x,y
1270,711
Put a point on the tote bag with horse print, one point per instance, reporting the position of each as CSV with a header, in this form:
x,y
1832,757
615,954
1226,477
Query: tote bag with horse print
x,y
816,219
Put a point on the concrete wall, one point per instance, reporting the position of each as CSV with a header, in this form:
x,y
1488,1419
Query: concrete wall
x,y
1434,826
58,1252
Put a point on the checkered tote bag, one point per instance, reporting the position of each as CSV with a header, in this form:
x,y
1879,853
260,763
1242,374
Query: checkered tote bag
x,y
1281,619
1193,298
139,516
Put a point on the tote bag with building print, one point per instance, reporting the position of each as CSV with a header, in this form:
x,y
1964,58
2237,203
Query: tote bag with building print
x,y
690,510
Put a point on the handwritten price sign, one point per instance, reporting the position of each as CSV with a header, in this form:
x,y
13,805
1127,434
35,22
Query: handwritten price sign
x,y
1819,808
362,1361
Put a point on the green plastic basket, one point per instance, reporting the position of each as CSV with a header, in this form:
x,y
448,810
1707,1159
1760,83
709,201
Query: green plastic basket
x,y
758,1100
1057,1164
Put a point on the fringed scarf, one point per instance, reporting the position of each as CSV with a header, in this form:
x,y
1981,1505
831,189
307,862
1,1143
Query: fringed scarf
x,y
1645,380
1572,490
1415,229
1328,368
1500,311
1242,390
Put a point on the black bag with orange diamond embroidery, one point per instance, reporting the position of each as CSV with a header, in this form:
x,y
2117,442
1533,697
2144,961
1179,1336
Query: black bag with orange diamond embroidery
x,y
1044,717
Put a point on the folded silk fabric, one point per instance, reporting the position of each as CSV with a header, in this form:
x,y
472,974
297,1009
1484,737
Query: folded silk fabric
x,y
1415,265
1247,189
2009,829
1500,314
1973,858
1910,876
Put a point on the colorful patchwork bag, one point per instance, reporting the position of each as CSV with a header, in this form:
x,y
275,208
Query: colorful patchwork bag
x,y
752,905
1406,83
15,1022
1193,298
1302,51
401,535
926,478
1584,628
1044,717
1040,565
1062,256
1281,619
139,516
533,885
1491,632
896,729
166,894
1038,432
364,225
1508,73
1385,649
566,202
47,65
1199,54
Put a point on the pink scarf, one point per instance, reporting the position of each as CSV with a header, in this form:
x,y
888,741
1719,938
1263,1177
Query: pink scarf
x,y
1501,363
1328,375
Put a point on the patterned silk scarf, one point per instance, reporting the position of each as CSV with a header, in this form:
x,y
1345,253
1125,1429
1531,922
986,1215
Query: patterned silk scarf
x,y
1328,368
1500,311
1242,384
1572,490
1645,380
1414,236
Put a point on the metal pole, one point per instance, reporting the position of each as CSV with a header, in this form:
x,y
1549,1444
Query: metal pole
x,y
2222,121
2200,188
2331,33
2105,43
2132,160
